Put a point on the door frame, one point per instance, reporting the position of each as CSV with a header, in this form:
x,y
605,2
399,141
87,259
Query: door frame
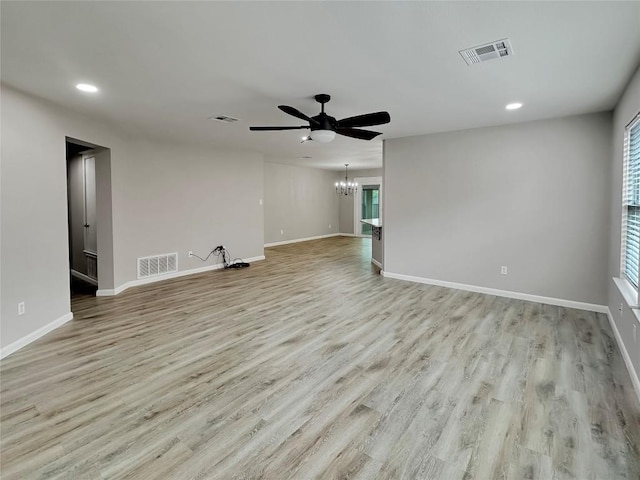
x,y
357,202
104,214
85,157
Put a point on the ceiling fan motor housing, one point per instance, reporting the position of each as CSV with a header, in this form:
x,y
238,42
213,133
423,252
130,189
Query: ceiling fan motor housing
x,y
323,122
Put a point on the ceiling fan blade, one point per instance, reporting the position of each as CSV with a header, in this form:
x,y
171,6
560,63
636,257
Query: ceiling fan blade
x,y
261,129
296,113
358,133
366,120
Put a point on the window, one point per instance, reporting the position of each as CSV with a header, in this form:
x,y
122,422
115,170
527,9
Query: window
x,y
631,202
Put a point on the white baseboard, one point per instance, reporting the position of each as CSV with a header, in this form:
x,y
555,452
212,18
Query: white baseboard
x,y
83,277
592,307
318,237
144,281
625,355
376,263
33,336
306,239
354,235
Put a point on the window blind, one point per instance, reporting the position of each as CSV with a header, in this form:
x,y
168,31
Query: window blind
x,y
631,202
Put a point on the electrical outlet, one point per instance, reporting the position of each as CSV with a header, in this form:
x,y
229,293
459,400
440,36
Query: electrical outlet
x,y
190,254
281,232
620,308
635,336
329,226
503,270
260,202
21,308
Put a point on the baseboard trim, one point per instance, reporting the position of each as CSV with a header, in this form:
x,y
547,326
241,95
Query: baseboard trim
x,y
110,292
83,277
625,355
35,335
376,263
592,307
306,239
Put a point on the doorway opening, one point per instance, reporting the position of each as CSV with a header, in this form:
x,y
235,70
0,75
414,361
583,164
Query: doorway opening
x,y
367,204
370,208
88,177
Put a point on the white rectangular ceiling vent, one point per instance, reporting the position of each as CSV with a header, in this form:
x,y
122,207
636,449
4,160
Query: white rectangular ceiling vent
x,y
223,118
157,265
482,53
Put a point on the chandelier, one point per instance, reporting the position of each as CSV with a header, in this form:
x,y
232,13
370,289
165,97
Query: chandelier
x,y
346,187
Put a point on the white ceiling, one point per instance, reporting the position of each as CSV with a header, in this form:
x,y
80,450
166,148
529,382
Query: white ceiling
x,y
164,67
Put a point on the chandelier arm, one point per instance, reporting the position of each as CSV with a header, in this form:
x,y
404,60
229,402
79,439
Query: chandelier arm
x,y
346,188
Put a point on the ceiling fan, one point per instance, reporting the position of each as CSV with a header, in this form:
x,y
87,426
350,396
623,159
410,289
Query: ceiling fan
x,y
324,127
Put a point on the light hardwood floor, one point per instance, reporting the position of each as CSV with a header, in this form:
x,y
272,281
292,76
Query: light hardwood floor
x,y
310,365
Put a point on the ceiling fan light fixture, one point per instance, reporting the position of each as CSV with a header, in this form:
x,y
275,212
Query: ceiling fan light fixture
x,y
324,127
323,136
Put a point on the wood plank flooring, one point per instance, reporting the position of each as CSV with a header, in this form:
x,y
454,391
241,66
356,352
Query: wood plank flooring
x,y
310,365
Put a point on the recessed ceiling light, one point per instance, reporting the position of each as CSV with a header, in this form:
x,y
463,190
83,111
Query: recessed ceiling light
x,y
85,87
513,106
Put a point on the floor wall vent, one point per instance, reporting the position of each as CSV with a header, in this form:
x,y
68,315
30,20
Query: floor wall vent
x,y
157,265
482,53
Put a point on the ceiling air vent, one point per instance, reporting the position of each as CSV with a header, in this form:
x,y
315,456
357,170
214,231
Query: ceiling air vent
x,y
223,118
489,51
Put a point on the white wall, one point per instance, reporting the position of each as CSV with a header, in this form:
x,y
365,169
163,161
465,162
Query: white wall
x,y
627,108
34,250
164,198
531,196
181,198
300,201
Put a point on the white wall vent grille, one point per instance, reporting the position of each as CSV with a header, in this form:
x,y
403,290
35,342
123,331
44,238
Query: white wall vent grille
x,y
482,53
157,265
223,118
